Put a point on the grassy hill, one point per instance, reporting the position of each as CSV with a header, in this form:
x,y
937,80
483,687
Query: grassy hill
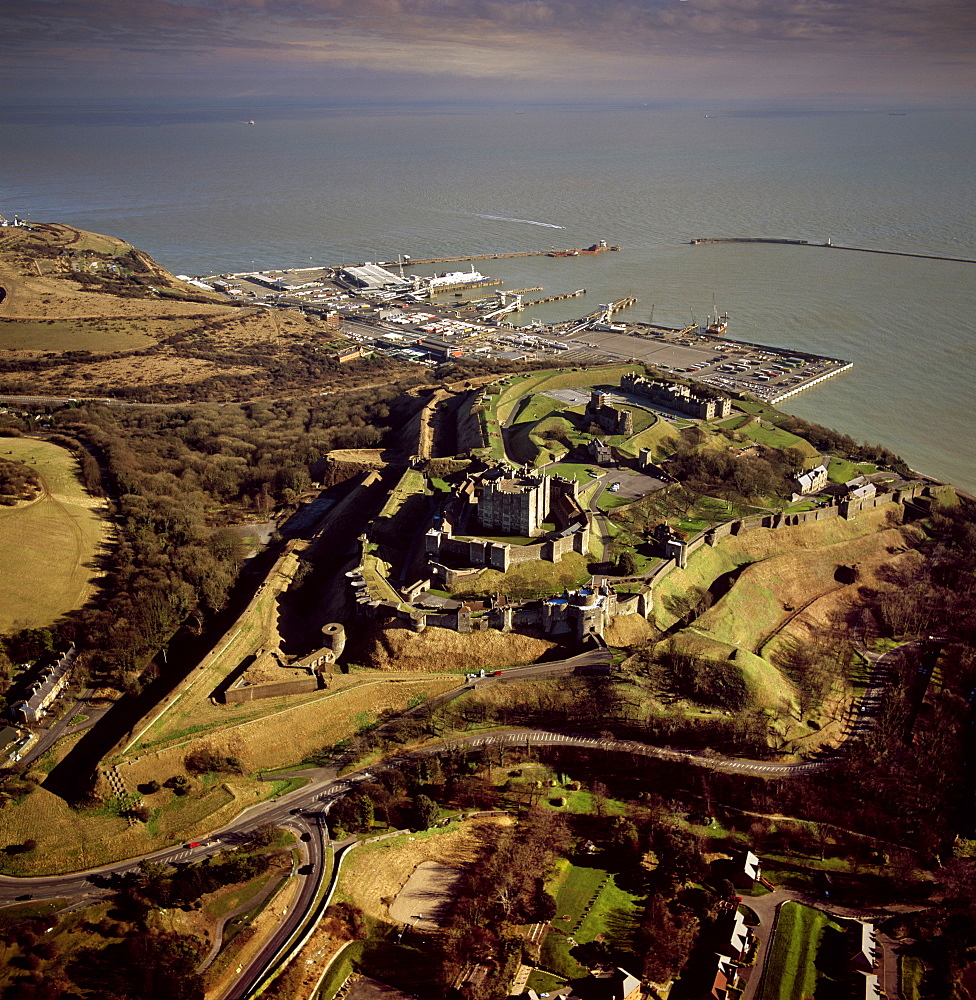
x,y
47,545
87,315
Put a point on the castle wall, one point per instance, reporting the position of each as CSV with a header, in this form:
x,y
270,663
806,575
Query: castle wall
x,y
253,692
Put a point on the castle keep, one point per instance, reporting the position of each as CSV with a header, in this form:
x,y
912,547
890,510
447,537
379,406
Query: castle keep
x,y
514,504
509,502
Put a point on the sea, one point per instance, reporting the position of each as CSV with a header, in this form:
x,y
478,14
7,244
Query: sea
x,y
205,191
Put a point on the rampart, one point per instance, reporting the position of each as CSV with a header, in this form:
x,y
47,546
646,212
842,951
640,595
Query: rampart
x,y
472,427
573,612
237,695
843,508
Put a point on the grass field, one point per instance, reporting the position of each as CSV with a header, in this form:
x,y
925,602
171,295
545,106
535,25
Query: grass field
x,y
76,335
773,437
912,970
589,905
660,436
560,379
48,546
285,730
785,593
529,579
790,972
840,470
379,870
543,982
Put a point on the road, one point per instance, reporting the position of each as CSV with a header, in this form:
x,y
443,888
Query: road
x,y
64,727
255,970
325,785
766,909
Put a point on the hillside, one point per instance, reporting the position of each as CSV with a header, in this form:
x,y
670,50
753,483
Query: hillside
x,y
86,315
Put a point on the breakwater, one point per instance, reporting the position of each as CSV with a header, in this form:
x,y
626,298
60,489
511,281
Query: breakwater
x,y
831,246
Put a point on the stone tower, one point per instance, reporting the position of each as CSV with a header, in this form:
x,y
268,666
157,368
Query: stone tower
x,y
334,638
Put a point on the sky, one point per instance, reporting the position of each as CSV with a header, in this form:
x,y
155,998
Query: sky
x,y
70,51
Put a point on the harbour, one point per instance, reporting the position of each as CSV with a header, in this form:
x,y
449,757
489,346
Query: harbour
x,y
870,181
387,312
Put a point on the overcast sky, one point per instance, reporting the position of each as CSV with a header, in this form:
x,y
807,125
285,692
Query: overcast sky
x,y
649,50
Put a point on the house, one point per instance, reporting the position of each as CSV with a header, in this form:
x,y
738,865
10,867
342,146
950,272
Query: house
x,y
345,354
726,978
733,938
863,959
858,488
747,869
599,451
812,481
9,740
739,936
47,685
872,988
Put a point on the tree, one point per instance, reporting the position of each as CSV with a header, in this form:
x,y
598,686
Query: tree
x,y
264,835
153,871
626,564
425,811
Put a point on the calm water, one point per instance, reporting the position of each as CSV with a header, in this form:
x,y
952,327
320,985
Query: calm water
x,y
340,187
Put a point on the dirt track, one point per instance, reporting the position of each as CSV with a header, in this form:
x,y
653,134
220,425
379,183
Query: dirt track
x,y
424,901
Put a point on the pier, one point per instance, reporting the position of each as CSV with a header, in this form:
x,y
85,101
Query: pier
x,y
472,256
554,298
831,246
605,312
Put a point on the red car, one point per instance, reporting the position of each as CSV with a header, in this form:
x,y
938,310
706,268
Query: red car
x,y
195,843
496,673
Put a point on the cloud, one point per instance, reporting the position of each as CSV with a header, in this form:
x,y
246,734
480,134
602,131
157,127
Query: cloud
x,y
539,41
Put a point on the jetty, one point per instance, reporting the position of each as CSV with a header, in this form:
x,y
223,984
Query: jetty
x,y
554,298
829,245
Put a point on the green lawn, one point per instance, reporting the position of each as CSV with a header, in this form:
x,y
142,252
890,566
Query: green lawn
x,y
588,904
840,470
574,470
529,579
608,500
48,547
773,437
543,982
912,971
340,969
790,972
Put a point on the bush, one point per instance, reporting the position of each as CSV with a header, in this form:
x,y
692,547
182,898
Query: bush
x,y
207,761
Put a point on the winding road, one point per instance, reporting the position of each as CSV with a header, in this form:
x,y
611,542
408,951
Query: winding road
x,y
305,808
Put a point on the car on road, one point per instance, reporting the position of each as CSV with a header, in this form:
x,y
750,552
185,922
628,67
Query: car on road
x,y
193,843
496,673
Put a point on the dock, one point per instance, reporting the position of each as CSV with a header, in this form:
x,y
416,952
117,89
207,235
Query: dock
x,y
473,256
604,313
830,246
554,298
